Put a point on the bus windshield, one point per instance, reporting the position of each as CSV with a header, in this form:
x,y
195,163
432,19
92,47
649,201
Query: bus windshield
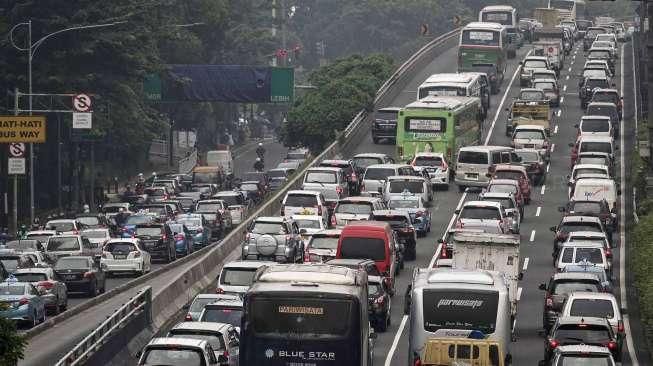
x,y
460,309
561,4
480,37
501,17
301,318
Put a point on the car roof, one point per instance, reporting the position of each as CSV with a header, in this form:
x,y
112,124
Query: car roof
x,y
583,349
390,213
335,161
203,326
360,199
601,104
236,301
370,155
592,295
583,319
324,169
594,116
387,166
186,342
303,192
349,261
328,232
583,244
482,204
574,276
275,219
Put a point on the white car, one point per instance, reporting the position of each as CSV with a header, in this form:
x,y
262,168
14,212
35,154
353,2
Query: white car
x,y
97,237
299,202
236,277
435,165
124,256
40,235
64,226
595,125
583,252
397,186
596,304
488,216
309,224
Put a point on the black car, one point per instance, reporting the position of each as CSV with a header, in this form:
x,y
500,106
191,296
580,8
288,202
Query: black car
x,y
385,124
586,87
378,299
574,330
557,290
93,220
158,240
600,209
81,274
403,227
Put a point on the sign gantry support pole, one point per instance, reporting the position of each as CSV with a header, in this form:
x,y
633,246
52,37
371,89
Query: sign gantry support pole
x,y
15,203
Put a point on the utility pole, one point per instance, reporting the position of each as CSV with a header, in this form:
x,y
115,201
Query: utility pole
x,y
92,198
14,228
649,65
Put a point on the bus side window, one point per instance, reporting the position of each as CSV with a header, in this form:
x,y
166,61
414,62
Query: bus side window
x,y
496,158
494,355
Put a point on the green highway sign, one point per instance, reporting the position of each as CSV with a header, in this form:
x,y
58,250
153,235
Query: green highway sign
x,y
282,85
152,87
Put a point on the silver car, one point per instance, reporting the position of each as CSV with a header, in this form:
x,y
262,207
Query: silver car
x,y
223,338
375,177
397,186
53,291
331,182
355,209
273,238
236,277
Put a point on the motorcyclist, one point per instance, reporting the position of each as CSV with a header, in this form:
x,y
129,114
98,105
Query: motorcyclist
x,y
21,231
128,191
140,184
258,165
120,217
86,208
260,151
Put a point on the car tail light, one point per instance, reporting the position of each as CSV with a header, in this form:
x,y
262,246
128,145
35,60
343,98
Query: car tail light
x,y
339,190
23,301
379,301
553,343
88,274
443,250
608,253
549,302
164,237
179,237
612,345
219,290
46,285
188,318
417,362
620,327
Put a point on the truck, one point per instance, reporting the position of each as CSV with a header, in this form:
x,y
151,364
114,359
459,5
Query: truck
x,y
557,34
492,252
221,157
528,112
548,17
553,50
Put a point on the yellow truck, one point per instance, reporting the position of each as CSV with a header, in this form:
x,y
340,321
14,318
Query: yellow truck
x,y
446,351
528,112
548,17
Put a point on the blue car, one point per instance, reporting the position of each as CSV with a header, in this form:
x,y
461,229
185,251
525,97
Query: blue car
x,y
23,300
414,205
128,228
183,238
198,229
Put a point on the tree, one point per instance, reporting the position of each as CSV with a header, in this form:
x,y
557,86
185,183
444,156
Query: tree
x,y
12,344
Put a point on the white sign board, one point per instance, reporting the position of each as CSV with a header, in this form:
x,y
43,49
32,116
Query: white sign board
x,y
82,103
17,149
82,120
16,166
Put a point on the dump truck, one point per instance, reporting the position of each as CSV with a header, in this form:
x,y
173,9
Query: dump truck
x,y
526,112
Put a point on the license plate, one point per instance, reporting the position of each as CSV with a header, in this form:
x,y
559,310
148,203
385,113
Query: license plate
x,y
70,277
120,256
149,244
529,146
471,175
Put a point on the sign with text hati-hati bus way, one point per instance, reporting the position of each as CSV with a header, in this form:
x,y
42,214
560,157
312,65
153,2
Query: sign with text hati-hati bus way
x,y
22,129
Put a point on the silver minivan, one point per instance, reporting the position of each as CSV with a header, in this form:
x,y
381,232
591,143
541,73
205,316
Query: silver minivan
x,y
445,302
331,182
473,164
236,277
376,175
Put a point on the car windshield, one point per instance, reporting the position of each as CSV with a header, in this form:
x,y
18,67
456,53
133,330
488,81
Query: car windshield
x,y
89,220
30,277
58,243
529,134
71,263
593,171
230,199
600,308
222,315
473,157
213,338
199,303
321,177
505,202
480,213
12,290
301,200
10,263
528,156
535,64
121,247
249,187
209,206
592,255
428,161
29,244
364,162
138,219
378,173
393,204
544,85
96,234
190,222
531,95
592,208
502,188
324,242
272,228
173,356
148,231
308,223
412,186
565,287
359,208
568,227
585,359
605,97
595,125
583,333
237,276
508,174
60,226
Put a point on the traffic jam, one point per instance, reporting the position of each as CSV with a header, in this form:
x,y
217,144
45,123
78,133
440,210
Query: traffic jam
x,y
316,284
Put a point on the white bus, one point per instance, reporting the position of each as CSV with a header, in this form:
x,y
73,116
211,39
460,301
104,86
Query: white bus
x,y
569,9
502,14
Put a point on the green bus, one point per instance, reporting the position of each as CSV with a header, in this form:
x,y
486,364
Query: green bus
x,y
439,124
483,44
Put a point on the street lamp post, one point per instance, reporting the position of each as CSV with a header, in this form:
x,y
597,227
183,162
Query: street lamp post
x,y
31,51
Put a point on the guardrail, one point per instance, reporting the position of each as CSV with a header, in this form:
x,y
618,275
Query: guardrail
x,y
142,302
166,302
187,164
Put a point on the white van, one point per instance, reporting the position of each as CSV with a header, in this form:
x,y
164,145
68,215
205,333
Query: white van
x,y
596,189
221,158
444,302
473,164
466,84
301,202
595,126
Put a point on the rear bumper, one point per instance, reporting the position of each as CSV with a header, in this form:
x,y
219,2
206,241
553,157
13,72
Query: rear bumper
x,y
127,265
78,286
21,313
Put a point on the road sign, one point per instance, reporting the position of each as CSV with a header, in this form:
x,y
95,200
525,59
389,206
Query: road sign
x,y
17,150
16,166
22,129
82,103
282,82
82,120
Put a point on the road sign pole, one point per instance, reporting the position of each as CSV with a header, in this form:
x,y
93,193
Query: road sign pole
x,y
14,224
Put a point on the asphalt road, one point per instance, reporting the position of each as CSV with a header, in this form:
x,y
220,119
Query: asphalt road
x,y
392,346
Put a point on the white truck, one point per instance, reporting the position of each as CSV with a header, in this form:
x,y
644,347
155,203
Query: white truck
x,y
221,157
493,252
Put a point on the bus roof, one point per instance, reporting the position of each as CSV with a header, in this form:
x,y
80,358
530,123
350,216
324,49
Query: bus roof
x,y
307,274
484,25
450,77
441,102
498,8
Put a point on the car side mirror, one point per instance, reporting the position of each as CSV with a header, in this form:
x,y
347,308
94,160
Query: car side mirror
x,y
618,192
542,286
373,335
553,228
186,307
457,212
623,311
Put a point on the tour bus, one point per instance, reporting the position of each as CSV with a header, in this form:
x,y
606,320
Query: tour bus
x,y
466,84
569,9
301,314
439,124
445,302
483,43
502,14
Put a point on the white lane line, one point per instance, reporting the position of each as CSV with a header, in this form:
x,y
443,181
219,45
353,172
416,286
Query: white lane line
x,y
537,212
622,236
555,129
449,225
395,342
532,236
567,77
553,147
525,267
564,88
547,167
562,99
569,71
503,100
543,189
518,293
559,112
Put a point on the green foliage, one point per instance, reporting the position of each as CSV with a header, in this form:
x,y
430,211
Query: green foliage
x,y
12,344
641,246
344,88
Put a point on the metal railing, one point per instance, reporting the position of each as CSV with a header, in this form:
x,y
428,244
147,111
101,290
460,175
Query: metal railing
x,y
187,164
84,349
